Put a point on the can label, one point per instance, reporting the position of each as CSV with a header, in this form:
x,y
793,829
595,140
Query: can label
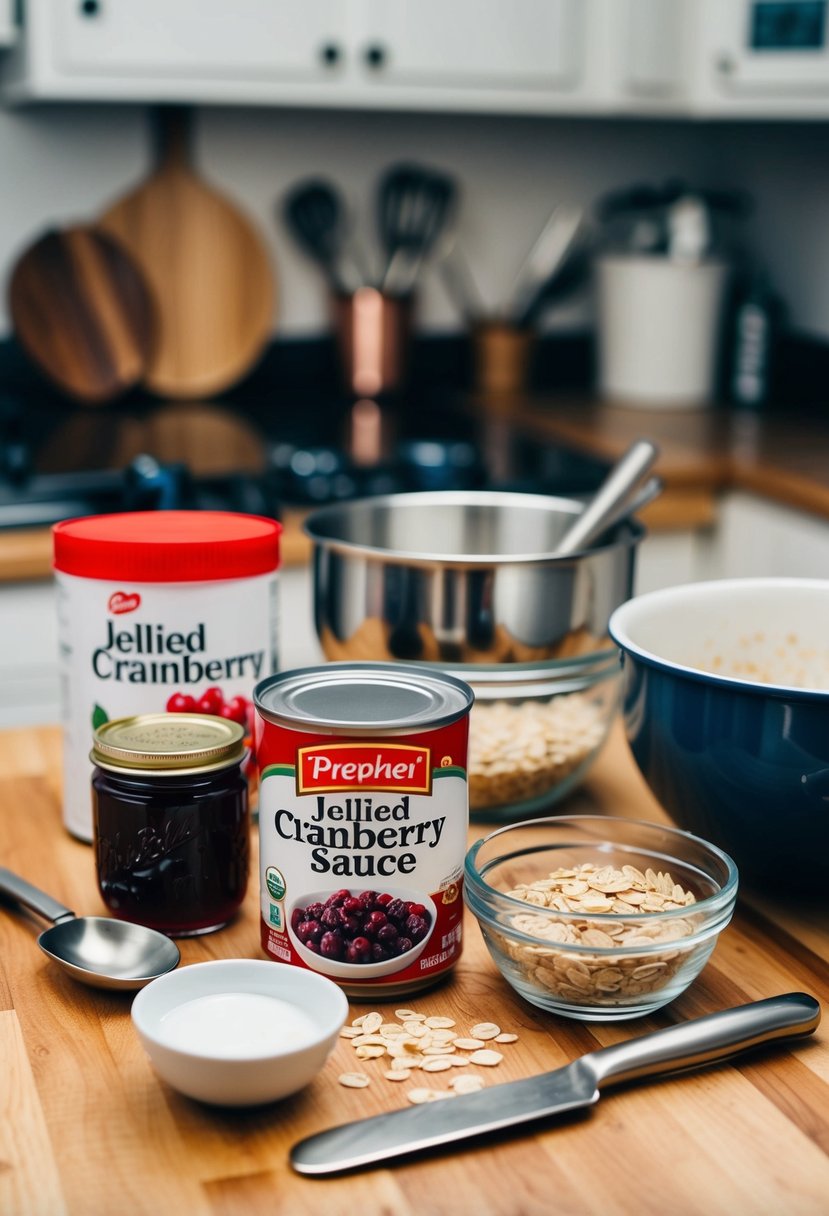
x,y
362,844
127,649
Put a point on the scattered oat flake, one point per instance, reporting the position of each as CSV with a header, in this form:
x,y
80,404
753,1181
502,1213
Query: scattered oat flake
x,y
417,1096
467,1084
439,1023
372,1022
485,1030
408,1015
488,1059
350,1032
369,1053
401,1064
354,1080
505,1038
470,1044
397,1074
436,1064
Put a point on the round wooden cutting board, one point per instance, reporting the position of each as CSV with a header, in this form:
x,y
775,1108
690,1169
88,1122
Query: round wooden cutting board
x,y
207,269
82,312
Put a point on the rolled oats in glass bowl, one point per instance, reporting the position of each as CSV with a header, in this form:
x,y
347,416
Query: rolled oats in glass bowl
x,y
599,918
535,731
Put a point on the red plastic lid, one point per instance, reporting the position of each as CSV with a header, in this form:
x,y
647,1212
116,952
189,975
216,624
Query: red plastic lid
x,y
167,546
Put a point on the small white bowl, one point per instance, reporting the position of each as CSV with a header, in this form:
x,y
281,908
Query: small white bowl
x,y
239,1032
362,971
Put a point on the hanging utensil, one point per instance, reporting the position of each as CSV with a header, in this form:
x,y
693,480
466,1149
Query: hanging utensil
x,y
97,950
547,255
314,212
706,1040
414,205
454,269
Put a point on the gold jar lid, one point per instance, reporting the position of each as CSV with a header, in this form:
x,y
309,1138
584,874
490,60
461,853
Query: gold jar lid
x,y
168,744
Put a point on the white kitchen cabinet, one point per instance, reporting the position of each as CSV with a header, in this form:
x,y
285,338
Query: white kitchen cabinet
x,y
29,684
526,44
666,559
269,39
175,49
676,57
465,54
756,537
753,537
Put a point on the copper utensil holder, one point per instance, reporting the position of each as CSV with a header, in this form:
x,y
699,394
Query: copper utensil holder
x,y
502,357
373,334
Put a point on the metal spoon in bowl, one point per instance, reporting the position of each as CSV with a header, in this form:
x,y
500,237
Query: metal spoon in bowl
x,y
97,950
613,500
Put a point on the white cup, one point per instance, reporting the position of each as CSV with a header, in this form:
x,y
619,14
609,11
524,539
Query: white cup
x,y
659,324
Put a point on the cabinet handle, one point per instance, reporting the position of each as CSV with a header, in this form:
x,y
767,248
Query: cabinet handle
x,y
376,56
330,54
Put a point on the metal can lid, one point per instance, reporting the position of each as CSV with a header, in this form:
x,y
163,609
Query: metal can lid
x,y
164,743
355,698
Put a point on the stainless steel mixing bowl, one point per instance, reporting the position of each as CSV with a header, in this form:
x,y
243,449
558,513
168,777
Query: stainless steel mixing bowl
x,y
463,576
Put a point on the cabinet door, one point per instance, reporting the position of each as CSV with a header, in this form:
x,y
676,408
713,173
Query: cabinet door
x,y
269,39
758,538
510,44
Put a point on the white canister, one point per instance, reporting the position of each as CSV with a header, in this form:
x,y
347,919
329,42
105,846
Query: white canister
x,y
659,325
159,610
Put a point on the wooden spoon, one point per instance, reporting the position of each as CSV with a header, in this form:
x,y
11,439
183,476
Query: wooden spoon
x,y
83,314
206,266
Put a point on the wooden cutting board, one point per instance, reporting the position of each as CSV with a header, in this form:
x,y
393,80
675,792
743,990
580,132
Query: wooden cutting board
x,y
83,314
207,268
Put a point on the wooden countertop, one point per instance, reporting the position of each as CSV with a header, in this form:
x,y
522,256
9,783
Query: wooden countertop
x,y
87,1128
703,452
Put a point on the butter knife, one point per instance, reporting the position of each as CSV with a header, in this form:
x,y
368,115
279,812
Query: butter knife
x,y
575,1086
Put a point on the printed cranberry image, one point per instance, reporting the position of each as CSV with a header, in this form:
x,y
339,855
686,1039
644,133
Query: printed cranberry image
x,y
382,931
212,701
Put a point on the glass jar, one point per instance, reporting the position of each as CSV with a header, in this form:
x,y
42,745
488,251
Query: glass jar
x,y
171,820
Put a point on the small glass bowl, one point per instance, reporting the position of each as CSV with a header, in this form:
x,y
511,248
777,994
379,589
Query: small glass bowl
x,y
535,731
579,957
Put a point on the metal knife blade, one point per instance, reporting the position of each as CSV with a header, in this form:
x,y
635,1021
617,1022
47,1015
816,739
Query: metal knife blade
x,y
702,1040
435,1123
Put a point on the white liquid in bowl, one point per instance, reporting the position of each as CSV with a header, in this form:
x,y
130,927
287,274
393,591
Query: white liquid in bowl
x,y
237,1026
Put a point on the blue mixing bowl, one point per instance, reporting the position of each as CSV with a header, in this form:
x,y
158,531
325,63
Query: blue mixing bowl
x,y
725,689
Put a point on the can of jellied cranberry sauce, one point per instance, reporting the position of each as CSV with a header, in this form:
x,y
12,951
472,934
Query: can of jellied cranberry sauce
x,y
363,814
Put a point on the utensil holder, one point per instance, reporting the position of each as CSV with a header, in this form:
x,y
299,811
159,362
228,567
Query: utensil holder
x,y
373,336
659,325
502,357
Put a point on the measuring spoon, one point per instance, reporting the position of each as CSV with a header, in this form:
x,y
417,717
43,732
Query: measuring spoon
x,y
97,950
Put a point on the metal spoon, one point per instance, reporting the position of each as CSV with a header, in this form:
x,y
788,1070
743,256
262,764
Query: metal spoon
x,y
97,950
613,494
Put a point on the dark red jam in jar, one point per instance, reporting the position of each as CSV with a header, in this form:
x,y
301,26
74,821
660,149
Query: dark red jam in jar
x,y
171,820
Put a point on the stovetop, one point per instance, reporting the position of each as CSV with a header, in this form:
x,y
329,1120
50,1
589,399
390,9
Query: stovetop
x,y
278,442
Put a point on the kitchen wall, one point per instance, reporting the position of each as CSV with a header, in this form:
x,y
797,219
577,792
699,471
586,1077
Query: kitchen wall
x,y
61,164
